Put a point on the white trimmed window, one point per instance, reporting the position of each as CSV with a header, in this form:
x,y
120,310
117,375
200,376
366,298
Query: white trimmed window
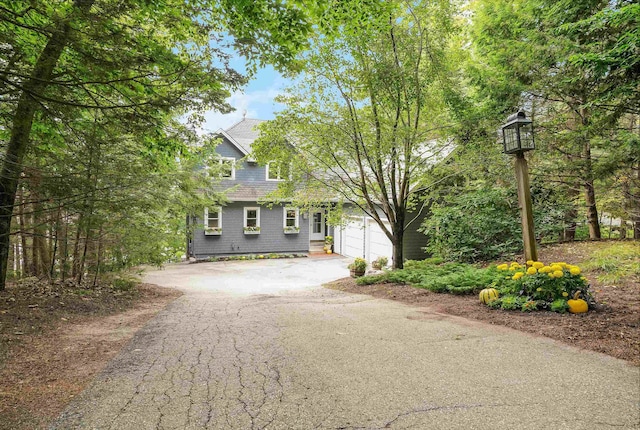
x,y
213,220
291,218
252,217
275,172
228,167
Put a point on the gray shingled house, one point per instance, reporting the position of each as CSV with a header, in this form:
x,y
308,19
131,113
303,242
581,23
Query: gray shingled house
x,y
243,226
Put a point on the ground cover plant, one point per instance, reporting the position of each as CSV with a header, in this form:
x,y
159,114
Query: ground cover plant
x,y
529,287
441,277
615,262
248,257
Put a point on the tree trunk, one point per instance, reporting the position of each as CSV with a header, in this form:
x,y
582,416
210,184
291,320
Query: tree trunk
x,y
75,258
570,216
23,235
83,259
35,261
21,126
590,195
398,240
64,260
98,258
40,248
52,273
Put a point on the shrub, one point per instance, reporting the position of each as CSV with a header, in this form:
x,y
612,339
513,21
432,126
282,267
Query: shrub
x,y
125,283
478,225
453,278
484,224
379,263
359,265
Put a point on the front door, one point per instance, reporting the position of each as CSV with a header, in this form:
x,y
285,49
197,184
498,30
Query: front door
x,y
316,227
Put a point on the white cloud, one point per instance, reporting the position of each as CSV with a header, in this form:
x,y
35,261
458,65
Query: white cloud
x,y
258,104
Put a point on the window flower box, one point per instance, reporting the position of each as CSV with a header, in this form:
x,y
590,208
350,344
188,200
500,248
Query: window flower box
x,y
212,231
291,230
251,230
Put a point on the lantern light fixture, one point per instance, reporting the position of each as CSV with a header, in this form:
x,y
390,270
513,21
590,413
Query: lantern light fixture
x,y
517,134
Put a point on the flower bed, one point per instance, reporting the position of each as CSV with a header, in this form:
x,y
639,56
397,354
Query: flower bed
x,y
536,286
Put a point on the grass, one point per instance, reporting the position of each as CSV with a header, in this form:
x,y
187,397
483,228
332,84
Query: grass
x,y
615,261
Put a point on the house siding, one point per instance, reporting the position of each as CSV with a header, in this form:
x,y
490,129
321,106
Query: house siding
x,y
233,240
245,171
414,241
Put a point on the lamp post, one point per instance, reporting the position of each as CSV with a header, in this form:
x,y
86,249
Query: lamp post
x,y
517,138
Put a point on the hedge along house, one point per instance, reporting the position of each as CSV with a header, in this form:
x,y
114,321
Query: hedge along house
x,y
244,226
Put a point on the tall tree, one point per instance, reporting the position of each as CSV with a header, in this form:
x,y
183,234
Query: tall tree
x,y
133,61
575,65
367,119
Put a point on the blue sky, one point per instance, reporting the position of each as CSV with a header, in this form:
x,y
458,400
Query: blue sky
x,y
256,98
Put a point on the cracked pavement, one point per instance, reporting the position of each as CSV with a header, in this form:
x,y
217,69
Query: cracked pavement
x,y
260,345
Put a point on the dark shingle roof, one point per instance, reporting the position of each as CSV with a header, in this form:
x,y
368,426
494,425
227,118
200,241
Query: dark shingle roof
x,y
245,132
247,191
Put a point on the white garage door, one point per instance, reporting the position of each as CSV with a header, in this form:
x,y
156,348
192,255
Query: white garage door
x,y
370,243
353,236
378,244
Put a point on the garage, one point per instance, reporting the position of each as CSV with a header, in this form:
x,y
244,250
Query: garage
x,y
377,243
352,238
362,237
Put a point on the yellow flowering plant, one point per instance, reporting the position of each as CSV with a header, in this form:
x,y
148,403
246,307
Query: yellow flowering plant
x,y
540,286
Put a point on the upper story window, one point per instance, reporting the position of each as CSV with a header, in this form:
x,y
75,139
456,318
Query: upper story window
x,y
276,172
228,167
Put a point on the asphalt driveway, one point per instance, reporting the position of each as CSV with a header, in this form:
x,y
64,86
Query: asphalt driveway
x,y
259,344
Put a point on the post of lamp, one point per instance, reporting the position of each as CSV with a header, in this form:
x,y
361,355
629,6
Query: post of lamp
x,y
517,138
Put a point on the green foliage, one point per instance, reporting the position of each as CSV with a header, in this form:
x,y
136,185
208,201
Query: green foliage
x,y
94,95
539,286
559,305
248,257
125,283
481,224
509,303
367,120
379,263
453,278
531,53
476,225
359,265
615,261
512,302
526,289
374,279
